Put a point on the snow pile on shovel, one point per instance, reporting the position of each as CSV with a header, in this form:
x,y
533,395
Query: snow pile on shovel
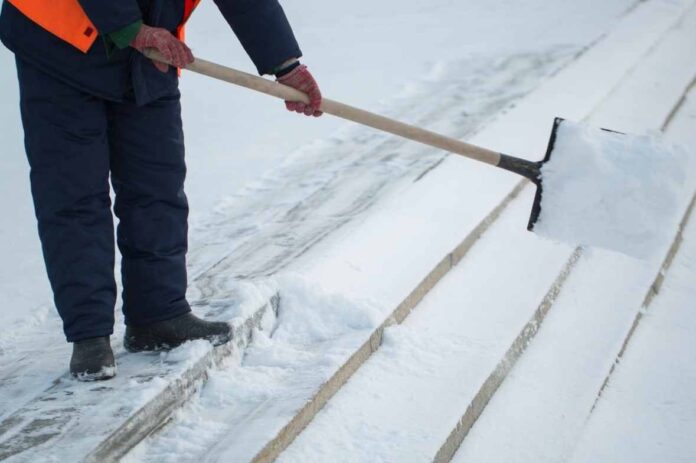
x,y
621,192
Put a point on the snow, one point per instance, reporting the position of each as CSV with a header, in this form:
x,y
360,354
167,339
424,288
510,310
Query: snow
x,y
75,419
648,411
314,334
375,418
402,402
383,254
544,402
344,225
616,191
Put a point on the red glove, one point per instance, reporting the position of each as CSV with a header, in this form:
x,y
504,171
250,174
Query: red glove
x,y
301,79
172,49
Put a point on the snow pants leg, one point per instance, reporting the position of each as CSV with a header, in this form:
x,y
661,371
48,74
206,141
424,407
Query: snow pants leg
x,y
74,142
147,173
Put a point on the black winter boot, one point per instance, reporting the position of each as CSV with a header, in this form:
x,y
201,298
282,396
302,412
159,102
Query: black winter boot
x,y
169,334
93,360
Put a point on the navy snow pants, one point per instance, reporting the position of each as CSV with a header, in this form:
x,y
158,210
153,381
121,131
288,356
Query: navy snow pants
x,y
74,142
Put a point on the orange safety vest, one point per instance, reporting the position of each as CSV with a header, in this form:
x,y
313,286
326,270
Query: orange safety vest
x,y
67,20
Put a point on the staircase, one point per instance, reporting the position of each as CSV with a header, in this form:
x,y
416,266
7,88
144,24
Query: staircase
x,y
478,349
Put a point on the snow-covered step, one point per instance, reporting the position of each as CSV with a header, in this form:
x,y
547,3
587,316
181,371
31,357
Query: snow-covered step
x,y
542,406
660,342
378,416
363,256
442,360
539,410
291,391
448,356
100,422
648,411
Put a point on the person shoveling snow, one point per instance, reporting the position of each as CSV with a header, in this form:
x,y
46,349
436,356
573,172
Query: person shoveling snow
x,y
95,108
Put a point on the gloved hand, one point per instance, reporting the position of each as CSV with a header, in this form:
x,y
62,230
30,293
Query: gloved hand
x,y
172,49
301,79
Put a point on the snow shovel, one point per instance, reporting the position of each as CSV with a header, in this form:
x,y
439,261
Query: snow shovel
x,y
589,196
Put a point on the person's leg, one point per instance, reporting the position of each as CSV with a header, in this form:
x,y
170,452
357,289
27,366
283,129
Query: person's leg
x,y
147,173
65,138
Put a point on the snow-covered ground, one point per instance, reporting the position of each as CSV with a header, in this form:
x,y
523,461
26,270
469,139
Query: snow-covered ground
x,y
347,221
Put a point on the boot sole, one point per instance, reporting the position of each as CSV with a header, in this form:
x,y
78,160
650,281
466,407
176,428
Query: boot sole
x,y
134,348
104,374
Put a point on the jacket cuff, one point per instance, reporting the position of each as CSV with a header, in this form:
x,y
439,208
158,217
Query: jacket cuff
x,y
122,38
263,30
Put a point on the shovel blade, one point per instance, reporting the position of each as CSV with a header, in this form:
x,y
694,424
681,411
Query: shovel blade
x,y
536,206
603,188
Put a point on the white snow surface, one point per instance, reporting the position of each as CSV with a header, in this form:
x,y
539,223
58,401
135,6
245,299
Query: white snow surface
x,y
234,136
616,191
314,334
648,411
412,391
374,416
543,404
366,258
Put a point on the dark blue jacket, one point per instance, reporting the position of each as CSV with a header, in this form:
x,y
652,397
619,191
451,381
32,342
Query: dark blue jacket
x,y
260,25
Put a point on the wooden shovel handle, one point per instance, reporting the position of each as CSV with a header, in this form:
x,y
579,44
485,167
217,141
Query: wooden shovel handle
x,y
341,110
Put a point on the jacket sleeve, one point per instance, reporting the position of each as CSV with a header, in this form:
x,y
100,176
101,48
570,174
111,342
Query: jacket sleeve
x,y
263,30
111,16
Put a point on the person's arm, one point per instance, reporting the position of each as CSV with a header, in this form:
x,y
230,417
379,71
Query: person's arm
x,y
265,33
263,30
123,37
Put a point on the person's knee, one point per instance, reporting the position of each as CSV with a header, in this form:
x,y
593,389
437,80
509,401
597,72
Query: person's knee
x,y
85,204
